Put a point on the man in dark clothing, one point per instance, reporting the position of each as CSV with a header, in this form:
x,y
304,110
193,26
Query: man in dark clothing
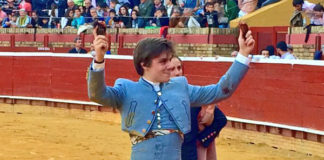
x,y
209,17
77,49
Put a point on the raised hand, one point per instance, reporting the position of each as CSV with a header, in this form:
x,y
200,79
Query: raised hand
x,y
100,44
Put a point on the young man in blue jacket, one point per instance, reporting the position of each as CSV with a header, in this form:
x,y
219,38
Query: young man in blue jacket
x,y
155,110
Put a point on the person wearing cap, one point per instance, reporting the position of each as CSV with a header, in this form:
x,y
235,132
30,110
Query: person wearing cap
x,y
282,50
78,49
155,110
23,19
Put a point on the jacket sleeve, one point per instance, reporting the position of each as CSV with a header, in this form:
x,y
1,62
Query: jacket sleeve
x,y
203,95
102,94
211,132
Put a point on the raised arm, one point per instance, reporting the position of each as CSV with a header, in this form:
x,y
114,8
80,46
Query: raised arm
x,y
97,89
203,95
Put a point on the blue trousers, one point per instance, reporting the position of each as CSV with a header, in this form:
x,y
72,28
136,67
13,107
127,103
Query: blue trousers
x,y
166,147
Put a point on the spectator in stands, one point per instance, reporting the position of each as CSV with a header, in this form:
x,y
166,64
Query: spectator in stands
x,y
125,21
146,10
209,18
137,22
78,49
3,15
94,16
160,18
190,20
87,8
10,21
35,20
23,19
25,5
54,19
246,7
222,19
317,17
44,22
71,5
10,7
112,19
301,5
114,5
175,20
157,4
283,52
78,20
271,53
170,5
66,21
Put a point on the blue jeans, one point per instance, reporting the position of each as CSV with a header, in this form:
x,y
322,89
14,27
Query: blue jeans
x,y
166,147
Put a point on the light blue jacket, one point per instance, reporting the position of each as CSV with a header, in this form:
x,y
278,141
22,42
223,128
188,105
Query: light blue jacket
x,y
137,101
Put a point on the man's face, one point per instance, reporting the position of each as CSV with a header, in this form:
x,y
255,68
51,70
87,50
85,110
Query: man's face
x,y
210,8
278,50
78,43
159,70
93,13
265,53
77,13
22,13
157,2
176,67
70,4
298,7
87,3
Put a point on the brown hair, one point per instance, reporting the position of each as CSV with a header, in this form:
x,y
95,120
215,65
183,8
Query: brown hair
x,y
149,48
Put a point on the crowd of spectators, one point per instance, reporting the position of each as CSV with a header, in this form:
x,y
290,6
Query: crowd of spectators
x,y
123,13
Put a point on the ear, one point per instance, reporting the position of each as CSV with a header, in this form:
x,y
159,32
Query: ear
x,y
143,66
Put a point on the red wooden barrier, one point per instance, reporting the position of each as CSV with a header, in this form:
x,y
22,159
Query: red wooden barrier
x,y
278,93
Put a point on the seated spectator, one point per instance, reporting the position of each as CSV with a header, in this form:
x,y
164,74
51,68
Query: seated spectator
x,y
112,20
317,17
25,5
170,5
35,20
146,10
94,16
71,6
10,21
113,4
209,18
137,22
10,7
304,6
54,19
222,19
157,4
175,20
78,20
283,52
23,19
87,8
246,7
125,21
3,15
44,22
160,19
66,21
77,47
271,53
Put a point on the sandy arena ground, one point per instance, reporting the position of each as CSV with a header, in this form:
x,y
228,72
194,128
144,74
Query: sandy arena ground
x,y
47,136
